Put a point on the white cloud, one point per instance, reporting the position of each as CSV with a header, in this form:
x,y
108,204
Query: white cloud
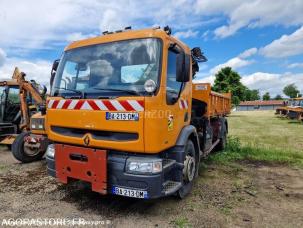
x,y
78,36
237,62
234,63
272,83
265,82
45,24
205,35
2,57
208,79
247,53
295,65
38,70
254,13
186,34
287,45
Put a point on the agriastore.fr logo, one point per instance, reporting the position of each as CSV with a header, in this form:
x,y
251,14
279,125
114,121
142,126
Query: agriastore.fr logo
x,y
44,222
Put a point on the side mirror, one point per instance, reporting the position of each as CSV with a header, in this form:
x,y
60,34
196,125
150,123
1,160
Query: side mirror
x,y
55,65
183,67
53,72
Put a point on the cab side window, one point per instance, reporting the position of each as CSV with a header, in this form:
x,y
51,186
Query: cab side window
x,y
172,86
13,95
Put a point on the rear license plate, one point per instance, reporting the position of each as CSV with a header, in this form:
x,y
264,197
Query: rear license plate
x,y
130,192
132,116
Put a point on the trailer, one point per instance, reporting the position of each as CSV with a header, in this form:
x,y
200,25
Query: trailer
x,y
129,119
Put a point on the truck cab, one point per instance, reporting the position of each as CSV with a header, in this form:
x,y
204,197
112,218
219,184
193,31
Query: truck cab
x,y
119,115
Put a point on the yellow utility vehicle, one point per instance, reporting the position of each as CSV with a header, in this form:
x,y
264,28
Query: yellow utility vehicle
x,y
125,116
292,109
20,99
296,110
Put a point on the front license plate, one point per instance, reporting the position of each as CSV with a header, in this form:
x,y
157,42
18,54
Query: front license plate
x,y
132,116
130,192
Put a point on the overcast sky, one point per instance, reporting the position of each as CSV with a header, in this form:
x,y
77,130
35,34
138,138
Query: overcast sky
x,y
261,39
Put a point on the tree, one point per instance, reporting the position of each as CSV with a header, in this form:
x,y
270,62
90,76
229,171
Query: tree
x,y
255,95
278,97
252,95
266,96
291,90
228,80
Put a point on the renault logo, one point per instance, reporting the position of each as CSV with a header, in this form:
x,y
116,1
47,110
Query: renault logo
x,y
86,140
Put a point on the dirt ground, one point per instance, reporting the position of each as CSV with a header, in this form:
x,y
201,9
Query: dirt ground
x,y
240,195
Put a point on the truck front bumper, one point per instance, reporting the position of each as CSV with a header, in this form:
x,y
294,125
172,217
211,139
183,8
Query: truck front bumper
x,y
155,185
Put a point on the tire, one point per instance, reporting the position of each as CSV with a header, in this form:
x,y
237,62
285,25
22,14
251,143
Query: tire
x,y
187,182
19,152
222,143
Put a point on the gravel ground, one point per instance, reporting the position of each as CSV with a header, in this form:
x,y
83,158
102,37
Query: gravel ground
x,y
241,195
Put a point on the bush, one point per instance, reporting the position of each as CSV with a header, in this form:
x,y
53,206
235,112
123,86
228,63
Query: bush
x,y
233,144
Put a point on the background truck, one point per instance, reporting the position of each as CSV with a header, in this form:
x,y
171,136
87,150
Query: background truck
x,y
19,101
296,110
125,116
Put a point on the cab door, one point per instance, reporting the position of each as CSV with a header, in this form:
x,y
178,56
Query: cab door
x,y
177,98
169,111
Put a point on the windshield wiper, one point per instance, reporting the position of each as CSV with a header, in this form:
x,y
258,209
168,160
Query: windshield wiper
x,y
133,92
82,94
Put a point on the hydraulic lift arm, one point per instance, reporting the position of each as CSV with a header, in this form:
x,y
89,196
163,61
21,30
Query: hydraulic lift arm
x,y
26,88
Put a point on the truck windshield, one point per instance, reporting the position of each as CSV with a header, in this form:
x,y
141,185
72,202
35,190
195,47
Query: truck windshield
x,y
116,68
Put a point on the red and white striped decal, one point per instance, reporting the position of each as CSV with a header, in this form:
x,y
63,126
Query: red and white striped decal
x,y
103,105
183,104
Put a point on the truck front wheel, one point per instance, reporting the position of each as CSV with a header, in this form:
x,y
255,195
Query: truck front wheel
x,y
25,155
189,170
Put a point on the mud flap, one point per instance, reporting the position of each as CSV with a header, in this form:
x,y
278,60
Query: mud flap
x,y
81,163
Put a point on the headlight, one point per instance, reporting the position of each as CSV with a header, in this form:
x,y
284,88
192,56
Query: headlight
x,y
143,166
37,124
50,151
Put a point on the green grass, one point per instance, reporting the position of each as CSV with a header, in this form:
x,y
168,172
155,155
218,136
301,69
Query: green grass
x,y
181,222
2,167
261,136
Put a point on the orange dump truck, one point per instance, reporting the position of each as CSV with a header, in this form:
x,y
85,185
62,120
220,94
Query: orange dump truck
x,y
125,116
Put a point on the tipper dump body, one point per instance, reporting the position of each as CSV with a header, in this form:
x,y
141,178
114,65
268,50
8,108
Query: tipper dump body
x,y
219,104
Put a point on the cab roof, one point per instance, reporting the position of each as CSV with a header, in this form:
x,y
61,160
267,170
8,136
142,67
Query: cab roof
x,y
127,35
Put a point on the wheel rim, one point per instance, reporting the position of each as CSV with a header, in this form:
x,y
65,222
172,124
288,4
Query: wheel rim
x,y
31,151
189,168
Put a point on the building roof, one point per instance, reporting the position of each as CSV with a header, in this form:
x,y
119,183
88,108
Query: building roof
x,y
264,103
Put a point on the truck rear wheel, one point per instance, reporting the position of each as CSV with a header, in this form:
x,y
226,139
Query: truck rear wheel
x,y
25,155
189,170
222,143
